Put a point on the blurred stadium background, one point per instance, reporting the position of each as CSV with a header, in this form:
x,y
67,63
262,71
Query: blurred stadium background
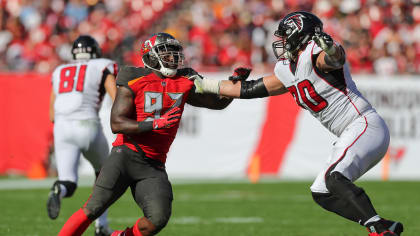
x,y
251,141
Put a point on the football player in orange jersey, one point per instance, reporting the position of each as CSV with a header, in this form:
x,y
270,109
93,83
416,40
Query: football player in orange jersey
x,y
146,114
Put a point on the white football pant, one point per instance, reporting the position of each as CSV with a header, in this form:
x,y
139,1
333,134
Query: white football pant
x,y
73,137
360,147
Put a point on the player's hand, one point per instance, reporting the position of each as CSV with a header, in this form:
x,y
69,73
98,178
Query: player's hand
x,y
198,82
240,74
167,120
204,85
324,41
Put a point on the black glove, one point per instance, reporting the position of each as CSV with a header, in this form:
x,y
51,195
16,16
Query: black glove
x,y
240,74
324,41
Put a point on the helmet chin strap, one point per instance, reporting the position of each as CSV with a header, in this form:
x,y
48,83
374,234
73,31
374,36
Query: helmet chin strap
x,y
168,72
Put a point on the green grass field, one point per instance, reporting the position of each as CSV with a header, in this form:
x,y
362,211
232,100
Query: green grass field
x,y
207,209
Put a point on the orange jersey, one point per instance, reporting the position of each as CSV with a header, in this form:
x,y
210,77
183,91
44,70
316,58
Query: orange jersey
x,y
153,96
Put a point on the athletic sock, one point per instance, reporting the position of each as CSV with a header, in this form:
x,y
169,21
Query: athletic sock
x,y
136,230
133,231
76,224
102,219
63,191
373,219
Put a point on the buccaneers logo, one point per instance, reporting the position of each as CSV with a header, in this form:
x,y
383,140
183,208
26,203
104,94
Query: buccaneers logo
x,y
148,44
295,22
146,47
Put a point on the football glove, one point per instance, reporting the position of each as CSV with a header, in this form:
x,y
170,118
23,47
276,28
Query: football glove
x,y
324,41
167,120
240,74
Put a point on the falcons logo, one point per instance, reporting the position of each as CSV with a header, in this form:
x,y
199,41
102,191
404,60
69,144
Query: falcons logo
x,y
295,22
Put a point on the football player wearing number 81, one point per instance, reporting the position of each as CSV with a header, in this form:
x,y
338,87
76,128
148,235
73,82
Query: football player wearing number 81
x,y
146,114
311,67
78,90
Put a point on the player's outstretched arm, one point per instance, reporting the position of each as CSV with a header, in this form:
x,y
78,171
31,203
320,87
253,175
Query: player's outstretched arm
x,y
263,87
332,56
213,100
208,100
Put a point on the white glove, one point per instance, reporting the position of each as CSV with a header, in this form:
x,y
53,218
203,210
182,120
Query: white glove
x,y
324,41
204,85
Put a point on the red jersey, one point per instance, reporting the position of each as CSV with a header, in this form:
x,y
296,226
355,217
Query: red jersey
x,y
153,96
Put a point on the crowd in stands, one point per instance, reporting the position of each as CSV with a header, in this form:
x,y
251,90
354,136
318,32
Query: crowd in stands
x,y
379,36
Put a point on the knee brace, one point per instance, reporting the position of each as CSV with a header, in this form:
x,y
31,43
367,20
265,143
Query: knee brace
x,y
359,203
322,199
338,184
70,187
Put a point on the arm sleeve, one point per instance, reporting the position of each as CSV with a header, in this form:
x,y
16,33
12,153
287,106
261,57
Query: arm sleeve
x,y
253,89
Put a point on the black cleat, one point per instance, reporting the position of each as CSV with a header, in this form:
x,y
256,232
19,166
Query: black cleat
x,y
53,202
385,227
395,227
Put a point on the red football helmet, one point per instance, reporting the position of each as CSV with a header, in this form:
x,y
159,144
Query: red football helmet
x,y
163,53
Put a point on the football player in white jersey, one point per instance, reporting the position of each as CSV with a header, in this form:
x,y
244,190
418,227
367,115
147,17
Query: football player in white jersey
x,y
311,66
77,92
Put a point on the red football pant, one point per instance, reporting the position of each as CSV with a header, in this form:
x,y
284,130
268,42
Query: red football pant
x,y
76,224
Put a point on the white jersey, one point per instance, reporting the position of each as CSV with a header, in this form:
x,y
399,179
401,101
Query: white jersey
x,y
79,88
332,97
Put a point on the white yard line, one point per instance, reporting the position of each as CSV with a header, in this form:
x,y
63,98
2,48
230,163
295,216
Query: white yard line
x,y
197,220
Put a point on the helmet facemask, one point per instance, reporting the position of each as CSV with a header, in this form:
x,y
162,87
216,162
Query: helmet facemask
x,y
293,33
165,57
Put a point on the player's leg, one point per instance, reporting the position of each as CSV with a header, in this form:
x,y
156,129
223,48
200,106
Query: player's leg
x,y
153,193
156,203
110,185
96,153
359,148
67,156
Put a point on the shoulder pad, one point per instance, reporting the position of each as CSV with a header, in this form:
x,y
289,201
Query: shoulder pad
x,y
128,73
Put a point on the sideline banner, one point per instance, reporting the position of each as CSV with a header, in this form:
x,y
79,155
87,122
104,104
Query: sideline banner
x,y
26,130
274,137
251,138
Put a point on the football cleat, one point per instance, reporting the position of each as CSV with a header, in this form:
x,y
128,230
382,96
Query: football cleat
x,y
53,202
103,231
386,227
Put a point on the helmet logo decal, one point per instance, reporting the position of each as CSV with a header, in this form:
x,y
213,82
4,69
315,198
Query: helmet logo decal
x,y
146,47
295,22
